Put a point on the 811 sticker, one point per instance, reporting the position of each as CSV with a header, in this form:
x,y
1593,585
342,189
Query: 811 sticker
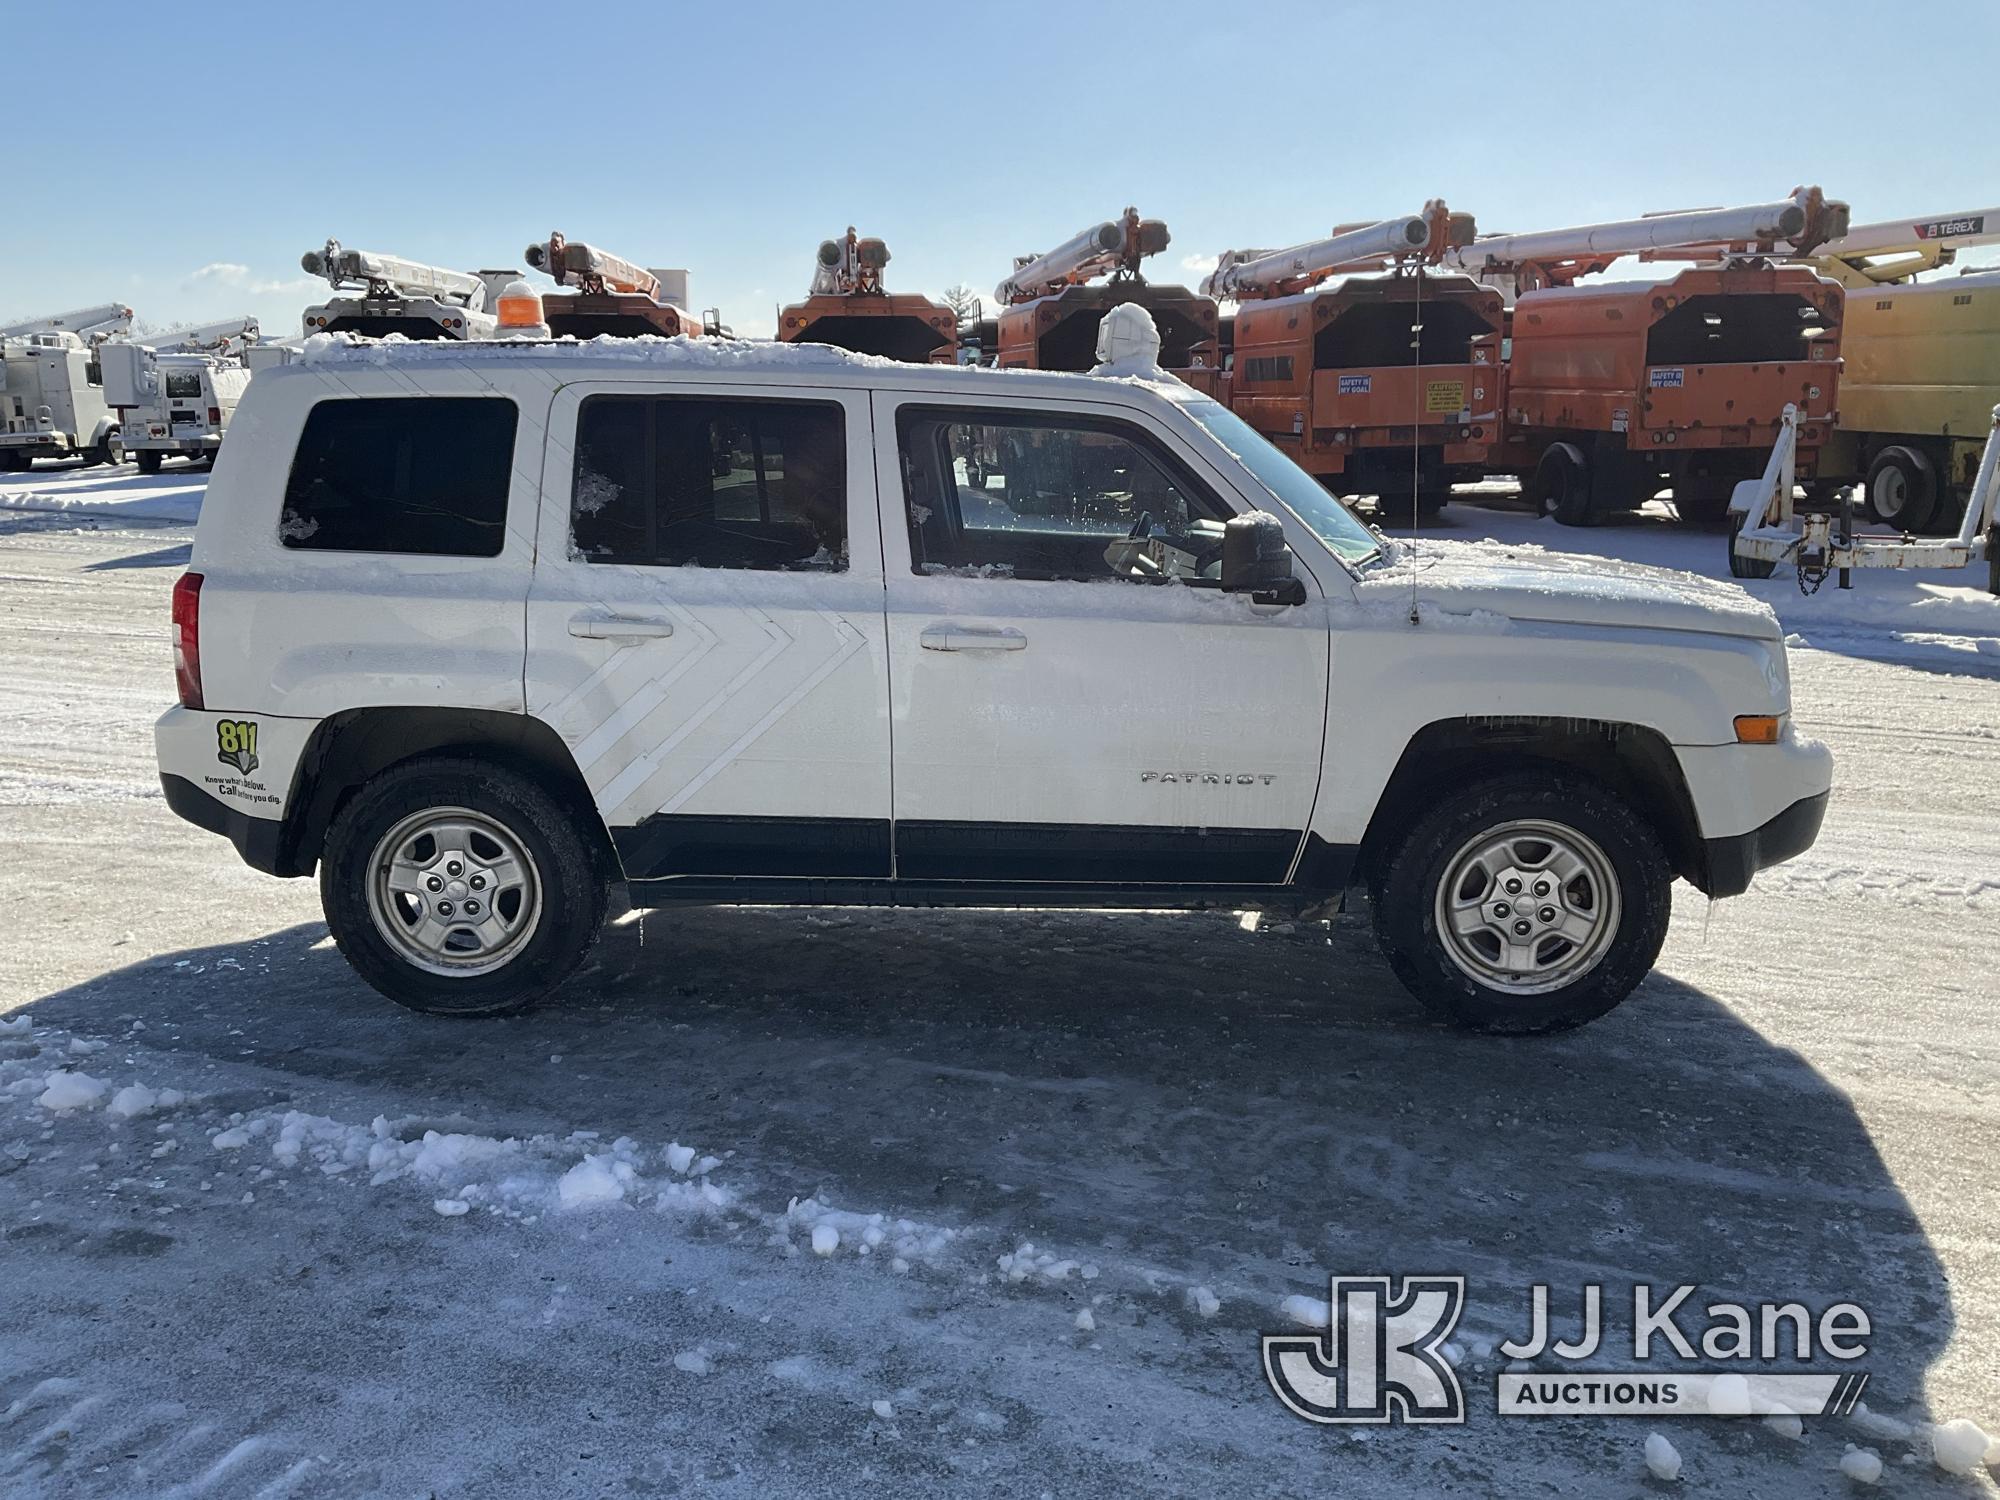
x,y
236,744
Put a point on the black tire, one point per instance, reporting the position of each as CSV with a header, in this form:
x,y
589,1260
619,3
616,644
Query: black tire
x,y
13,462
1406,896
1561,486
1993,560
148,460
1902,489
1430,503
572,886
110,449
1746,567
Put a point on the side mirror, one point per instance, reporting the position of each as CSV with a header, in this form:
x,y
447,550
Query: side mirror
x,y
1256,559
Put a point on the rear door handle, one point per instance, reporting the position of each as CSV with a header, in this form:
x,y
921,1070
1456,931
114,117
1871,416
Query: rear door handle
x,y
618,628
958,638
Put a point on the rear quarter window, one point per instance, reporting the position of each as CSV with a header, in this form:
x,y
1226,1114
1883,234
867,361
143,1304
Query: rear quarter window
x,y
419,474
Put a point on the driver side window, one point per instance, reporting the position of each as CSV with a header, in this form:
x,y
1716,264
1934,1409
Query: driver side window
x,y
1052,496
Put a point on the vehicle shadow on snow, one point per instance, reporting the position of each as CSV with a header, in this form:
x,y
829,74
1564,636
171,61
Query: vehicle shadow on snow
x,y
1166,1092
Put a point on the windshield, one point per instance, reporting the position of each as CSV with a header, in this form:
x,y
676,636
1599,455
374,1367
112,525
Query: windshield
x,y
1300,493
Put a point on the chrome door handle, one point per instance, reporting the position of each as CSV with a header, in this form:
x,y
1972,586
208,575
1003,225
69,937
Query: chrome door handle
x,y
618,628
958,638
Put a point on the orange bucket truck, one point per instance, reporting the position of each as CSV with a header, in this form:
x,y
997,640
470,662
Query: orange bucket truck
x,y
1618,388
1050,311
612,296
1385,385
849,308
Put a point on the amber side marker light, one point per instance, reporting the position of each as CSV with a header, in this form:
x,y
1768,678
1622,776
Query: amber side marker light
x,y
1757,729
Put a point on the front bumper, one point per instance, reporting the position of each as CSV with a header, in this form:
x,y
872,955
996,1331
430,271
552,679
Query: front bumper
x,y
1732,861
1755,805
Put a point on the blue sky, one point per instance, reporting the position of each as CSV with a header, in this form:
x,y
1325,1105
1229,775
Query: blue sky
x,y
193,154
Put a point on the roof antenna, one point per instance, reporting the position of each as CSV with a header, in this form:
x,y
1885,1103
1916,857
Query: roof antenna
x,y
1416,437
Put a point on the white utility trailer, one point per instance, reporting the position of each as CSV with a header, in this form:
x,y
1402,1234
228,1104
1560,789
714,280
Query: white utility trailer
x,y
1766,528
52,402
171,405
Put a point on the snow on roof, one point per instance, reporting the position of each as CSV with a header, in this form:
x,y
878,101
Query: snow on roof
x,y
718,355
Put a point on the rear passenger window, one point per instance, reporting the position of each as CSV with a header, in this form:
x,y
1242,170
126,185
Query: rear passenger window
x,y
421,474
690,482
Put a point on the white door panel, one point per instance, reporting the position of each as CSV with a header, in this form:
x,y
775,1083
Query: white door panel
x,y
706,697
1105,731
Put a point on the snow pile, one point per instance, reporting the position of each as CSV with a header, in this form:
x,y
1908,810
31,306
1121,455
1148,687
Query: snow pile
x,y
65,1091
1862,1465
1044,1265
516,1177
829,1229
1882,1428
595,1179
135,1099
119,492
1959,1446
1203,1301
1663,1459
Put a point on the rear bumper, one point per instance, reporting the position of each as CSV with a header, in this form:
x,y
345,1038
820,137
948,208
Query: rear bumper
x,y
1733,860
37,444
256,839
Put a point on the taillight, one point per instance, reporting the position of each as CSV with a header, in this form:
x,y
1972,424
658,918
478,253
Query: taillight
x,y
215,416
187,639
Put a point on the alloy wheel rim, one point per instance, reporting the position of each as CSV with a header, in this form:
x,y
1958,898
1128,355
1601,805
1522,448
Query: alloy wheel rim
x,y
453,891
1527,907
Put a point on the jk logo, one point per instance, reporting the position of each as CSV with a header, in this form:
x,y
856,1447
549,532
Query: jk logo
x,y
1378,1360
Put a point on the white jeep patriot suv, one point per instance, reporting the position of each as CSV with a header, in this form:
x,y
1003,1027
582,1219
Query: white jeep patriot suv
x,y
476,630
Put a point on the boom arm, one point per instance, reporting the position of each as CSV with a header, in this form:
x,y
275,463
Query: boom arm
x,y
91,324
385,276
1113,246
594,271
1897,249
223,337
1557,257
1422,239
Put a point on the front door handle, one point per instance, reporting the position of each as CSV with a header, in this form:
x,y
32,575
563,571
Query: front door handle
x,y
959,638
618,628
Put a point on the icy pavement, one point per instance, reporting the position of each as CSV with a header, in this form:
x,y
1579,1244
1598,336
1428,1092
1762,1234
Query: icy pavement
x,y
811,1202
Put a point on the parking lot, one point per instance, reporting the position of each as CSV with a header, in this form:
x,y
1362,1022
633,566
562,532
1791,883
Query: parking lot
x,y
1009,1120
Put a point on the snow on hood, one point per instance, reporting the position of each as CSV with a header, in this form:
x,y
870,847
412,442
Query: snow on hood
x,y
1529,583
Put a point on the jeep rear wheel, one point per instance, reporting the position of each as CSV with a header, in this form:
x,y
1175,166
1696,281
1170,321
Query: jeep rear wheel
x,y
460,888
1530,902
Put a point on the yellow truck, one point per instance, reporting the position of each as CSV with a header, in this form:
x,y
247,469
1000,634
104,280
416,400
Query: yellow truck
x,y
1921,369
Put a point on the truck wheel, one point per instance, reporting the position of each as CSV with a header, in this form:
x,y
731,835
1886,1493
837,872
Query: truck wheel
x,y
1432,502
1531,902
1902,489
1993,560
1746,567
148,460
12,462
1562,485
459,888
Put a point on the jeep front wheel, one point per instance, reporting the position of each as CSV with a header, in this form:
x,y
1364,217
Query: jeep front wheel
x,y
1530,902
460,888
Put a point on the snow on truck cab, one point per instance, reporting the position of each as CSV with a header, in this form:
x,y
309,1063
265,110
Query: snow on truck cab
x,y
478,630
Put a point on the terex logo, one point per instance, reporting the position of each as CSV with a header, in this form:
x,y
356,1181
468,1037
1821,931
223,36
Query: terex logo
x,y
1378,1360
1937,229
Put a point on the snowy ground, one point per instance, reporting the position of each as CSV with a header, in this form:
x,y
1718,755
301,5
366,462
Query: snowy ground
x,y
363,1253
